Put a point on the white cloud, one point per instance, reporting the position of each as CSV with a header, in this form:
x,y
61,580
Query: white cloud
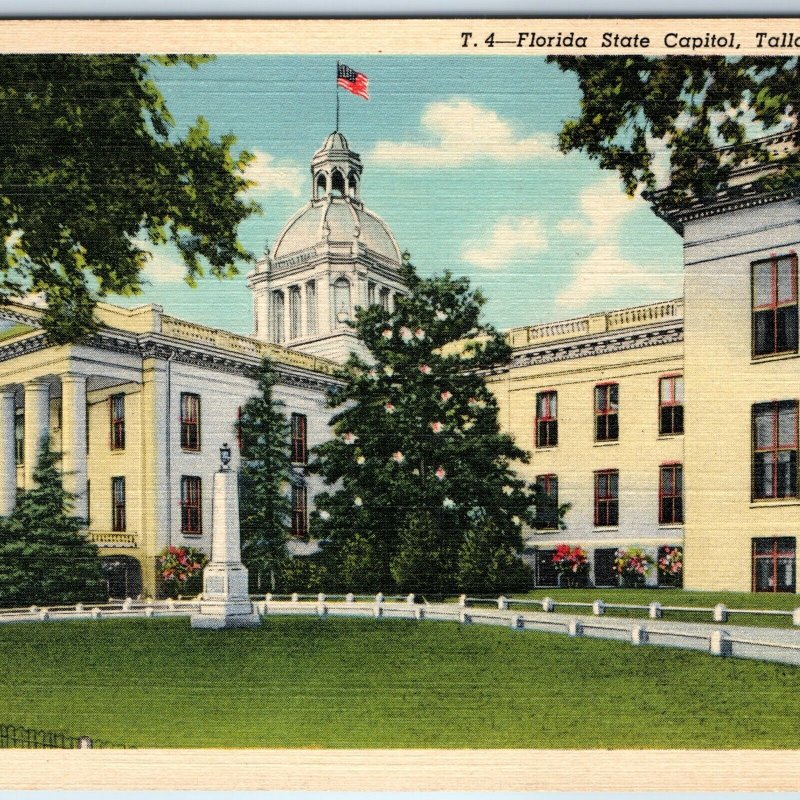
x,y
162,267
510,240
273,177
603,273
461,132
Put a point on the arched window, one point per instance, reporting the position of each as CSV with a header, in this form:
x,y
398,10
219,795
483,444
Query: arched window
x,y
341,300
321,184
311,307
337,182
276,318
294,312
352,184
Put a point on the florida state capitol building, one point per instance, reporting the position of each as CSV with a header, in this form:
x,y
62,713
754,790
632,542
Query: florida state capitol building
x,y
674,423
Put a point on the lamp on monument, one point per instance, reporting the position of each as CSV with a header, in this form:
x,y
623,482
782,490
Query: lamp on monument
x,y
225,455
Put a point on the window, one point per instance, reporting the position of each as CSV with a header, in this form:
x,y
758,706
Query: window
x,y
311,307
774,564
775,305
775,449
546,573
370,293
384,295
299,444
190,421
670,403
670,494
606,412
19,436
547,514
117,404
606,498
294,312
118,504
546,419
341,300
337,182
299,511
191,520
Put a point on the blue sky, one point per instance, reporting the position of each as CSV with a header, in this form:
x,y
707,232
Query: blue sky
x,y
459,159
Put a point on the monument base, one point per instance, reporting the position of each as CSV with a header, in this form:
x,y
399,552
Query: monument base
x,y
231,614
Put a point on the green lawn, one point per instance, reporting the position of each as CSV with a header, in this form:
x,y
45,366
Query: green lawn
x,y
303,682
675,597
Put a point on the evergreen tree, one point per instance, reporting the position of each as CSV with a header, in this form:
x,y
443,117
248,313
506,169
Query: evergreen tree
x,y
265,473
45,556
418,461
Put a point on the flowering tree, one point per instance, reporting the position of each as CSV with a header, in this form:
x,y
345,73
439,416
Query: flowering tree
x,y
572,564
632,566
670,566
181,568
425,496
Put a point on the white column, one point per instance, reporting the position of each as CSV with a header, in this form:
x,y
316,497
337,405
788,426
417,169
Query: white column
x,y
303,310
73,439
8,461
37,424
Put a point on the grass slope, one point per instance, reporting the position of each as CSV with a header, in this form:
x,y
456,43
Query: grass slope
x,y
303,682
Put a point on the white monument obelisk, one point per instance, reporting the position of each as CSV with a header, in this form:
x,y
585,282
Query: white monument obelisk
x,y
225,602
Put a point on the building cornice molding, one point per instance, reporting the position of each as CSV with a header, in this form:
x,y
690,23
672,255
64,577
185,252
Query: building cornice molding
x,y
162,348
605,344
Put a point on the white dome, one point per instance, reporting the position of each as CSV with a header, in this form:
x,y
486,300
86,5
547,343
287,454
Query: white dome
x,y
338,220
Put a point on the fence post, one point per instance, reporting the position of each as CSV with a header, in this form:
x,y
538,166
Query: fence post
x,y
796,616
268,597
502,603
419,612
44,615
720,613
127,604
598,608
517,622
575,628
320,598
548,604
295,597
639,634
464,618
720,644
85,743
410,599
654,610
462,601
349,598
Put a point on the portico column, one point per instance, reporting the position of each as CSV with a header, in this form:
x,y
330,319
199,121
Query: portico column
x,y
8,460
303,310
73,439
37,424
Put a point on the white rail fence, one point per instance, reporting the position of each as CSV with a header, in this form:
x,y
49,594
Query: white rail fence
x,y
769,644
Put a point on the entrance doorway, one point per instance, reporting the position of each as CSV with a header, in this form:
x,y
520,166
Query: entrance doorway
x,y
123,576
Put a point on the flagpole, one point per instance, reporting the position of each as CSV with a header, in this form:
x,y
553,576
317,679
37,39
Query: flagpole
x,y
337,97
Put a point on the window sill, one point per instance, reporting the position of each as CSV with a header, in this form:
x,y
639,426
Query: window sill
x,y
773,357
669,435
607,528
192,535
545,448
191,450
670,526
607,443
775,502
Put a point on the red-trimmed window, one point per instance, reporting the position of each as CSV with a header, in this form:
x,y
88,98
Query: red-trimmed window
x,y
774,564
606,498
546,419
190,421
670,494
117,407
299,440
547,502
299,512
606,412
670,404
775,450
775,305
118,504
191,505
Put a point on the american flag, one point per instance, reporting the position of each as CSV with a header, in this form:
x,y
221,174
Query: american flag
x,y
355,82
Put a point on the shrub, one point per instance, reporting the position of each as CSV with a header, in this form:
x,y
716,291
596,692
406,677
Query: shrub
x,y
670,566
181,570
632,566
572,564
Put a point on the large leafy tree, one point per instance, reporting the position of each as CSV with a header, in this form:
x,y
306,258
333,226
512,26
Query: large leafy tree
x,y
634,106
92,173
264,476
423,491
45,556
